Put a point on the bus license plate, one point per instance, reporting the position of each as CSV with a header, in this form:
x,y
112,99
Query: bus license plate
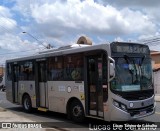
x,y
142,113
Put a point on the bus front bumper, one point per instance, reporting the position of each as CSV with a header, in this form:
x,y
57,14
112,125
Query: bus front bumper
x,y
120,115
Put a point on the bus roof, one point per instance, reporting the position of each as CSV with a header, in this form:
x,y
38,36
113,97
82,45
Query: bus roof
x,y
70,49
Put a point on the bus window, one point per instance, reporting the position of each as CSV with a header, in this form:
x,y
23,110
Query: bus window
x,y
73,67
104,80
55,67
92,71
9,72
15,73
26,71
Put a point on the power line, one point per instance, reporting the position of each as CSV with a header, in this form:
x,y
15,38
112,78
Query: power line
x,y
47,47
18,52
10,21
153,41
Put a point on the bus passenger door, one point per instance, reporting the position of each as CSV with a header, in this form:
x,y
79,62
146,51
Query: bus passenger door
x,y
15,82
97,84
42,84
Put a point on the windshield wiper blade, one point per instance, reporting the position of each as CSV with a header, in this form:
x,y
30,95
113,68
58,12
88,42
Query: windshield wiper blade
x,y
142,60
126,58
128,62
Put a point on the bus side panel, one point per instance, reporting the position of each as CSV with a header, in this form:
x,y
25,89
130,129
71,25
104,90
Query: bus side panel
x,y
29,88
9,93
59,92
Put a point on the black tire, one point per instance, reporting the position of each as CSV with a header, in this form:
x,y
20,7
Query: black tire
x,y
77,111
27,104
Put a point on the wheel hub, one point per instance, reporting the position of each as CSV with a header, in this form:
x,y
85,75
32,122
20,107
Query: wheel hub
x,y
77,110
26,104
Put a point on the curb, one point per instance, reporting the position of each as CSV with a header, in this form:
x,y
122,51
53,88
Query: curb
x,y
157,98
2,109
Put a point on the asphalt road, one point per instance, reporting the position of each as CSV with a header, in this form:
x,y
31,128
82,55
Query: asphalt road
x,y
61,119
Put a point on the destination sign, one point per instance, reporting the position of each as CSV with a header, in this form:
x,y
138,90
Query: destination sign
x,y
130,48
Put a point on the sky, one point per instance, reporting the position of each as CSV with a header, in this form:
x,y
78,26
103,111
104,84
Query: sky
x,y
62,22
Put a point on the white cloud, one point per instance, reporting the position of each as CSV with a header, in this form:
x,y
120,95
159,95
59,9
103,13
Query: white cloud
x,y
13,46
138,22
14,43
119,39
90,17
133,3
5,12
153,14
7,24
61,22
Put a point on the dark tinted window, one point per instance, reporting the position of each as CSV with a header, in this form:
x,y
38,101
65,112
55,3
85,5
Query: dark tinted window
x,y
26,70
9,72
73,67
55,68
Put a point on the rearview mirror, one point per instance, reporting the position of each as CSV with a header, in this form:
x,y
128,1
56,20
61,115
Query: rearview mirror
x,y
111,70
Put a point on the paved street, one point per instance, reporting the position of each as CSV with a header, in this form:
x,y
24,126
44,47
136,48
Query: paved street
x,y
58,119
156,116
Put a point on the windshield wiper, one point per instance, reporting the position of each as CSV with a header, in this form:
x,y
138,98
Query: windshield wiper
x,y
126,58
128,62
142,60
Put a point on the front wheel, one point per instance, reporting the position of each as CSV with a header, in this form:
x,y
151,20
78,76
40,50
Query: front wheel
x,y
27,104
77,111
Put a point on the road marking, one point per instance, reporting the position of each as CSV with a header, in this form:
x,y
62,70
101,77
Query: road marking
x,y
157,113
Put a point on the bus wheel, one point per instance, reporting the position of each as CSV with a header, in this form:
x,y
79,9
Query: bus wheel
x,y
27,104
77,111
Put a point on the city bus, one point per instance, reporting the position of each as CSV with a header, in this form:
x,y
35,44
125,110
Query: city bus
x,y
112,81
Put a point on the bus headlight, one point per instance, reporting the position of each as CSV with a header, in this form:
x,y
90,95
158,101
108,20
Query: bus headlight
x,y
123,107
119,105
116,103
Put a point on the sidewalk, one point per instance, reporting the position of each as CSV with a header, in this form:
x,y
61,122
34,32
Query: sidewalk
x,y
157,98
8,116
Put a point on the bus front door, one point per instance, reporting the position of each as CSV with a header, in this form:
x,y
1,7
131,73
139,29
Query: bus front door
x,y
15,82
42,84
97,84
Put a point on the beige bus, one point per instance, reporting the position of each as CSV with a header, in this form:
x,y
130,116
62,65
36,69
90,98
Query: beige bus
x,y
106,81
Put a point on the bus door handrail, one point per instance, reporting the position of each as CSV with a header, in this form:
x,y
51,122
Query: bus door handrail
x,y
113,61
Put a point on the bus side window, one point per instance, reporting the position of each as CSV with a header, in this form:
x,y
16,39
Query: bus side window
x,y
104,82
9,72
26,71
73,67
56,68
92,72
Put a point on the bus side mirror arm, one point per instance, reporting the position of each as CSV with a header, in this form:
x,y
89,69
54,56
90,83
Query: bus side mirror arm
x,y
111,69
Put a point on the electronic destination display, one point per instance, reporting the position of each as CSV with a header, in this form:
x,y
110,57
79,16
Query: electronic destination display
x,y
129,48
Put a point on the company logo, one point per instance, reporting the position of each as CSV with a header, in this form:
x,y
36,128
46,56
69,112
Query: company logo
x,y
6,125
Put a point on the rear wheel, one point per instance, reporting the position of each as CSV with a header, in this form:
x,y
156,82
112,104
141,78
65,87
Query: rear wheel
x,y
27,104
77,111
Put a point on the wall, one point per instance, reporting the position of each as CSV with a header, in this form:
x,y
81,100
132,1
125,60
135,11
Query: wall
x,y
157,81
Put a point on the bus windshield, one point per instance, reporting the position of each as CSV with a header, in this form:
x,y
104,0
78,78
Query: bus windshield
x,y
132,74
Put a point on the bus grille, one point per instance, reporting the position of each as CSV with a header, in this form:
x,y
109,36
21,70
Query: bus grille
x,y
138,110
138,95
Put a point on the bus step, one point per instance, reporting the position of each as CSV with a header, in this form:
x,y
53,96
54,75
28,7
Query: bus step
x,y
42,109
94,117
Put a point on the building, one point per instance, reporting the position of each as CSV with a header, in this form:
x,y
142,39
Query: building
x,y
2,71
155,55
